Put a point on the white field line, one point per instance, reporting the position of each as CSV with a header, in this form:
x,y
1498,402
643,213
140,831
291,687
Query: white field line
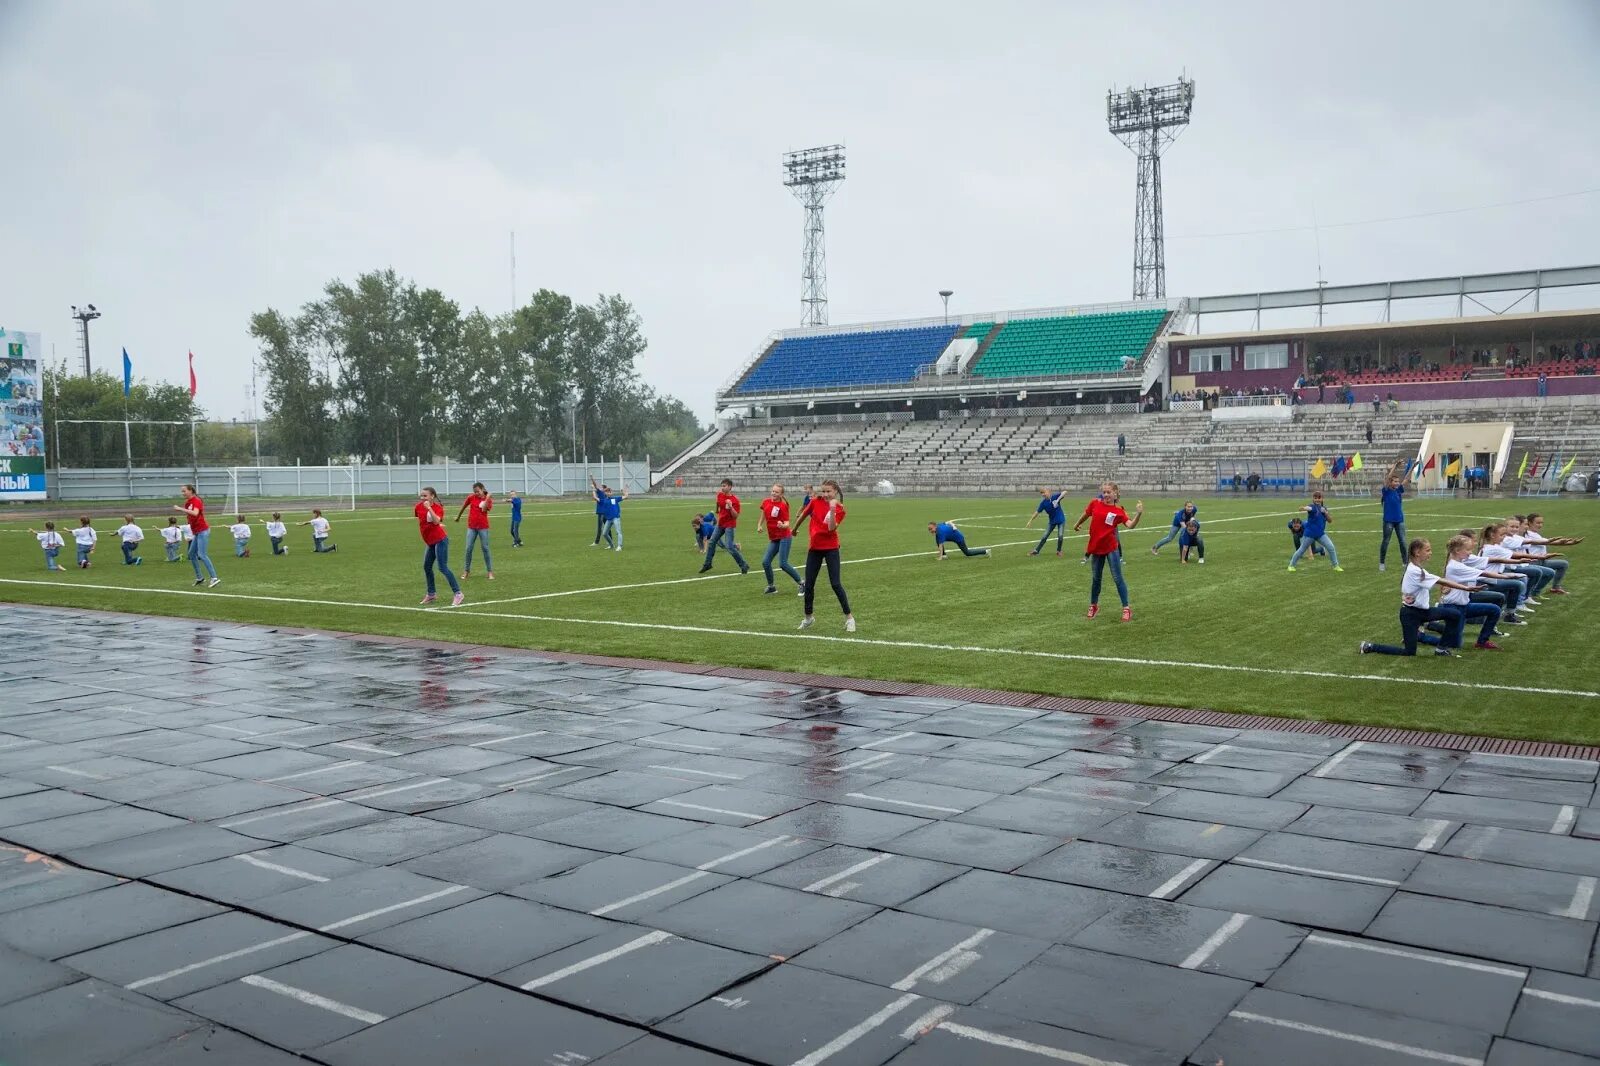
x,y
864,864
962,950
276,868
857,1031
311,999
1357,1038
1178,664
1401,953
1177,880
595,960
203,963
1211,943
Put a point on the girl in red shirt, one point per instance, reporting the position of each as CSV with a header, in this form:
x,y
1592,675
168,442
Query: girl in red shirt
x,y
477,507
825,511
430,521
780,536
199,553
1104,516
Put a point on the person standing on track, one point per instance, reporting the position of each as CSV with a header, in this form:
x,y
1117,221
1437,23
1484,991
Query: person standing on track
x,y
1394,515
477,507
200,529
430,520
825,512
727,521
780,537
1050,507
1104,516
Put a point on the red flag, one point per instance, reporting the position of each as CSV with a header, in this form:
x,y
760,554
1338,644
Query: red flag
x,y
1534,469
1433,461
192,382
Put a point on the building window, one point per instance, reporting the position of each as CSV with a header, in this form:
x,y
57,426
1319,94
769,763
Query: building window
x,y
1266,357
1209,360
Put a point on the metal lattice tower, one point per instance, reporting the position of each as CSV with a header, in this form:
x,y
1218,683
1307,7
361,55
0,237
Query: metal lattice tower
x,y
812,175
1148,121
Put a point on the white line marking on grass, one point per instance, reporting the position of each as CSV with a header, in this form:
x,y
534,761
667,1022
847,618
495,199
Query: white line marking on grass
x,y
1328,767
402,905
913,645
903,803
713,810
1564,819
1356,1038
203,963
1211,943
319,770
1012,1043
311,999
275,868
963,950
1314,871
1177,880
1430,839
1557,997
857,1031
1399,953
504,740
648,940
1582,896
865,864
649,893
928,1022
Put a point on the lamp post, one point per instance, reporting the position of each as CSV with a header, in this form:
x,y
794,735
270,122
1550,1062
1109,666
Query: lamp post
x,y
85,315
945,295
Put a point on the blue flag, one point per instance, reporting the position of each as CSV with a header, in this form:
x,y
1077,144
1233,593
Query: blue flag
x,y
127,373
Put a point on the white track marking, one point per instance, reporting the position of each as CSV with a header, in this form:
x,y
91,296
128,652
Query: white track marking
x,y
402,905
865,864
857,1031
358,797
1401,953
963,950
1207,756
275,868
75,773
712,810
1328,767
903,803
648,940
1314,871
505,740
231,729
929,1021
1436,830
368,748
699,773
1582,896
674,745
1014,1044
203,963
1054,656
298,808
1557,997
1179,879
871,760
1209,946
650,893
1564,819
886,740
545,775
311,999
723,860
318,770
1356,1038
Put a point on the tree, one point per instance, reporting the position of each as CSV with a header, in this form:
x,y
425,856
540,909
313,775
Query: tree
x,y
74,398
300,424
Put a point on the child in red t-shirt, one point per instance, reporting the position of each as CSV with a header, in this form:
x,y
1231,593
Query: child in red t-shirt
x,y
780,536
727,512
826,511
477,507
1104,516
430,522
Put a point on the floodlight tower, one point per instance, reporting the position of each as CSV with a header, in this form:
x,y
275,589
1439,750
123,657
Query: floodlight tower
x,y
85,315
1148,121
812,174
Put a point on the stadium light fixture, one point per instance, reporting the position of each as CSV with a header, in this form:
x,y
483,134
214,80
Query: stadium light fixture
x,y
812,174
1147,121
945,295
85,315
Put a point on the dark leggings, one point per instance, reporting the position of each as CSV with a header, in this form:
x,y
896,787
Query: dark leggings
x,y
1414,618
814,561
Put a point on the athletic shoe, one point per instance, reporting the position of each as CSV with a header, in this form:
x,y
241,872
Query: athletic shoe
x,y
333,547
1292,570
742,569
1058,555
1084,561
1155,551
801,591
1446,652
489,575
213,583
1513,620
1531,602
596,544
619,547
850,624
1524,608
138,562
199,581
1036,553
1202,562
807,622
458,599
1556,592
1127,614
429,598
1487,645
1366,647
1094,609
1338,569
941,558
703,569
465,574
770,591
1382,567
986,553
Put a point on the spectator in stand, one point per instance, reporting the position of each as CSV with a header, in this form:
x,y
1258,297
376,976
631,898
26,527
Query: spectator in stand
x,y
1377,404
1349,398
1369,432
1544,385
1122,443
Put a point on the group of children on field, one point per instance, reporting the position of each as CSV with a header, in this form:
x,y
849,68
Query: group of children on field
x,y
175,535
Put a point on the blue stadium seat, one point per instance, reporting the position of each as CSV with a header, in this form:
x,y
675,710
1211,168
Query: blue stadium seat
x,y
835,360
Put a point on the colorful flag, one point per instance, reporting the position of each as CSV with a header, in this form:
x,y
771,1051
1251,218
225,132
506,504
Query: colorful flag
x,y
1433,461
192,383
1319,468
1533,471
1454,469
127,373
1550,461
1568,467
1339,465
1523,467
1355,461
1550,467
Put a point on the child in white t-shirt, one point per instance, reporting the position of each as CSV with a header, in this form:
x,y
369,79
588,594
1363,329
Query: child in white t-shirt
x,y
52,544
86,538
172,533
1416,610
276,531
132,536
319,533
241,537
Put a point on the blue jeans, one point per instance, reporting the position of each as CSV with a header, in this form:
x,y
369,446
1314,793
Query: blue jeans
x,y
240,547
480,537
83,555
1412,619
516,534
277,545
1559,566
1305,546
1398,529
1538,576
961,542
780,550
612,531
1097,564
173,552
199,555
1059,529
1172,535
50,556
130,549
439,553
724,537
1478,609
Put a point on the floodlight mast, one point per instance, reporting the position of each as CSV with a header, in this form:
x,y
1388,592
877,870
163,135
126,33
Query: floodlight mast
x,y
812,174
1148,121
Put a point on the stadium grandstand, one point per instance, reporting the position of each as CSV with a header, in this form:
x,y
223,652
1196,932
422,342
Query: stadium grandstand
x,y
1147,395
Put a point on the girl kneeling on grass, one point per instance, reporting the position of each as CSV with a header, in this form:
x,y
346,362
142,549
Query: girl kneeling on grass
x,y
1415,611
825,512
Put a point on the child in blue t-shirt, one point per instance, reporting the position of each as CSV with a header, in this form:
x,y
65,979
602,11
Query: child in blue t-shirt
x,y
1297,531
1189,541
1316,532
705,527
516,519
1050,507
947,533
1180,518
1394,515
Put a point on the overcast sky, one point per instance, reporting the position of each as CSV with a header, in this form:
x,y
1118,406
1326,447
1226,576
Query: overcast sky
x,y
183,164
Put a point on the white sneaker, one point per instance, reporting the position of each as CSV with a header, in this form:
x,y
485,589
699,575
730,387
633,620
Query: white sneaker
x,y
619,547
1382,567
807,622
1202,562
850,624
213,583
1531,602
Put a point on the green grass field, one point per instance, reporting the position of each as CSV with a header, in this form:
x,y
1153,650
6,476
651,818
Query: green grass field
x,y
1239,633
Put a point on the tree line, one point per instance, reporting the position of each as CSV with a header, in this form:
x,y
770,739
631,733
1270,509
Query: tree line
x,y
382,370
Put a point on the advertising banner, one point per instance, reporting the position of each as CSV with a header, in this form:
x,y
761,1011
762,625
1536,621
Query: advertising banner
x,y
21,417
